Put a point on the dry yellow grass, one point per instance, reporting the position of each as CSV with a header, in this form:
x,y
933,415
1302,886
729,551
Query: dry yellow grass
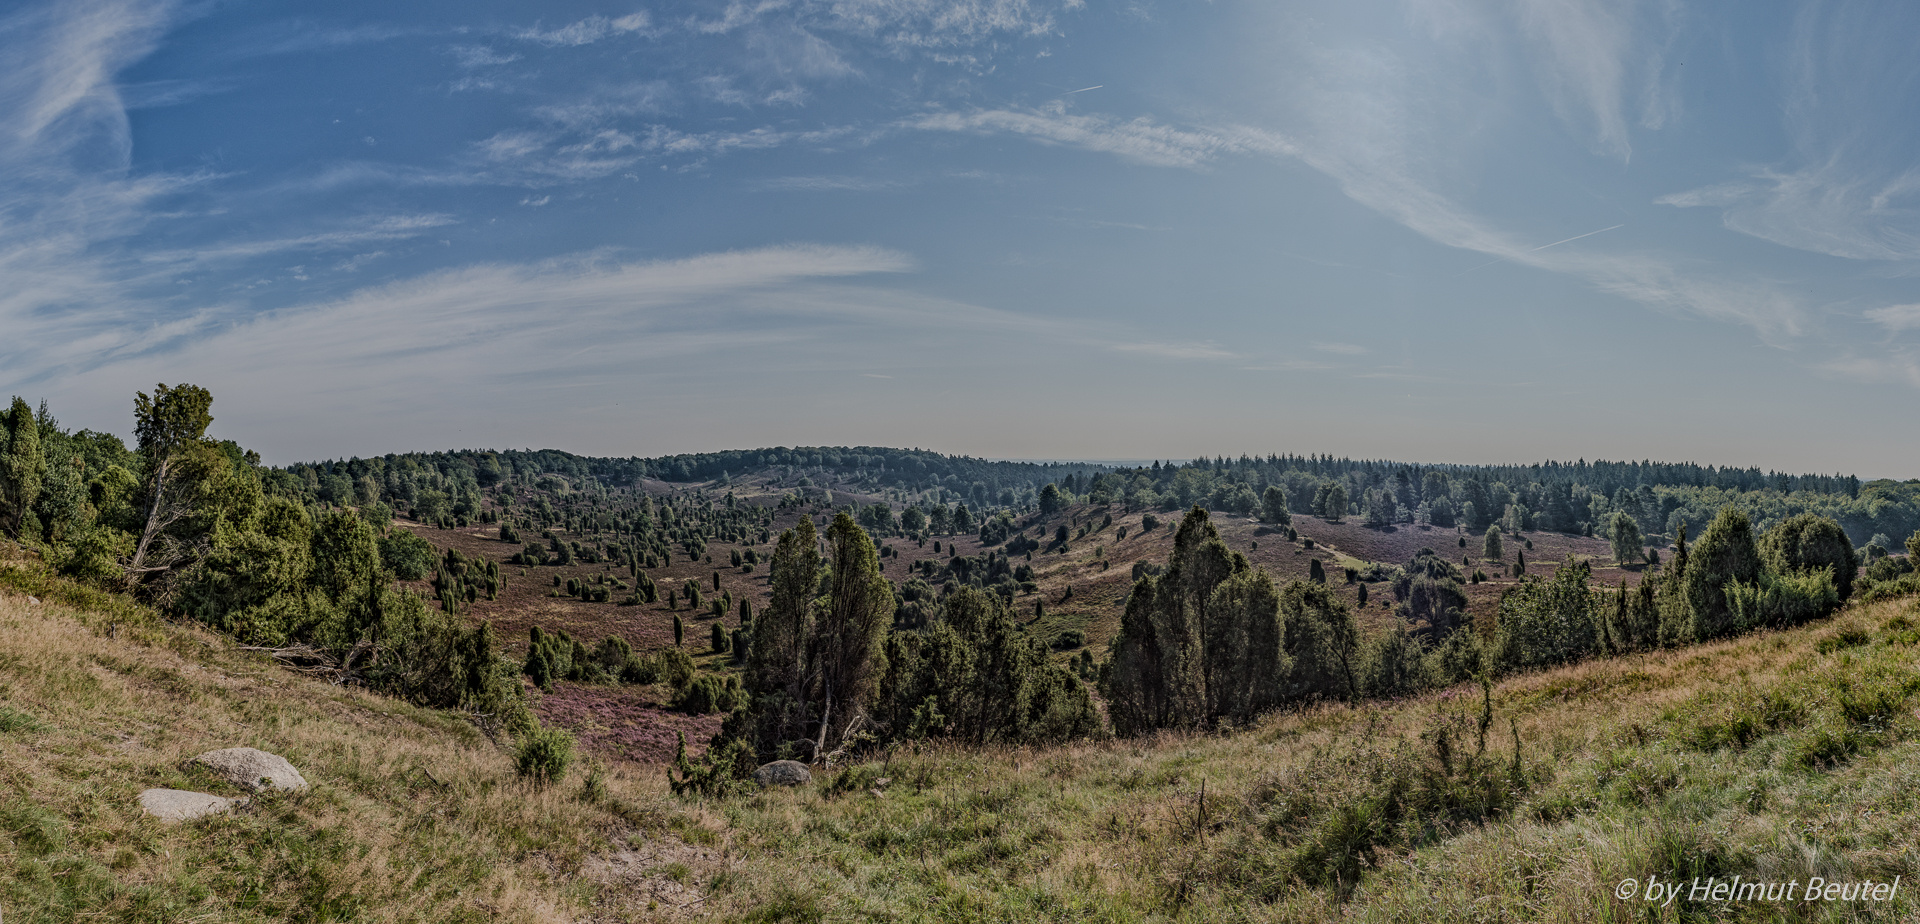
x,y
412,815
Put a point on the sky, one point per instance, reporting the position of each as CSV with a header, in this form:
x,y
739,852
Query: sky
x,y
1430,230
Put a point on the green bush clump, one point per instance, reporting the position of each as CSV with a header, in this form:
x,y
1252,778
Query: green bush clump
x,y
542,755
709,694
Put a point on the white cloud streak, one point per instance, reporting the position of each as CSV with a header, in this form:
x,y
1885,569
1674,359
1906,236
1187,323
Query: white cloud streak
x,y
589,30
1851,185
1140,140
1896,317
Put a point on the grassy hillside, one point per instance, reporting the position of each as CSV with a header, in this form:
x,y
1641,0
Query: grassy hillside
x,y
412,816
1774,756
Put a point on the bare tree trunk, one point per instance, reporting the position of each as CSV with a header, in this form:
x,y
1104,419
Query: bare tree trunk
x,y
820,746
154,524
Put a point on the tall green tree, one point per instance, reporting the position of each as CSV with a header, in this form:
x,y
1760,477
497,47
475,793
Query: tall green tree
x,y
1246,650
1322,642
1626,538
1200,642
1051,499
1670,594
1336,506
1724,553
777,657
1273,506
851,632
22,466
170,427
1490,547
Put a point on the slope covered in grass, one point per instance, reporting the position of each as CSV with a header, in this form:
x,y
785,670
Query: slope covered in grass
x,y
1778,755
413,815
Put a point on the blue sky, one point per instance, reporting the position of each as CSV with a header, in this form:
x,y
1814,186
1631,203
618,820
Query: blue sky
x,y
1436,229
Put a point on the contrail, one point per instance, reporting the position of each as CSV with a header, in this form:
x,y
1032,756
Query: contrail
x,y
1576,237
1540,248
1083,89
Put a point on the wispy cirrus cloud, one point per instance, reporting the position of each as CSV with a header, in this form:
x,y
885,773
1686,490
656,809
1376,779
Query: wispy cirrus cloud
x,y
65,145
1896,317
1141,140
828,184
589,30
1342,349
1383,114
1850,186
472,56
532,155
1834,208
1591,57
945,23
410,349
1174,350
386,228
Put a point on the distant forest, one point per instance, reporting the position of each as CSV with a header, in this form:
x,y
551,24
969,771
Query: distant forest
x,y
1573,497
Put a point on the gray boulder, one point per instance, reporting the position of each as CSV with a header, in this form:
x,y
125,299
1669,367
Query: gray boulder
x,y
783,773
180,805
252,769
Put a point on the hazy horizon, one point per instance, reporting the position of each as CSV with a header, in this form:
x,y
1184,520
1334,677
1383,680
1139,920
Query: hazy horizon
x,y
1022,229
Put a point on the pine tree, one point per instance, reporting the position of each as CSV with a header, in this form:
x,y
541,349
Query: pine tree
x,y
1676,614
851,630
1490,548
1626,538
1336,504
1273,506
22,466
679,630
1051,499
1161,662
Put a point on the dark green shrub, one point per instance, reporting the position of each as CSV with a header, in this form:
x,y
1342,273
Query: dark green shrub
x,y
708,694
1809,542
1782,599
408,556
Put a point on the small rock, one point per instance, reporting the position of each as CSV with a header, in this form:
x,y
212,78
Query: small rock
x,y
783,773
33,600
883,782
252,769
180,805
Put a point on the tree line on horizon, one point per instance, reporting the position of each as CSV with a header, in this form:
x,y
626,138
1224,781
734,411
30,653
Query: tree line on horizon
x,y
1580,497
